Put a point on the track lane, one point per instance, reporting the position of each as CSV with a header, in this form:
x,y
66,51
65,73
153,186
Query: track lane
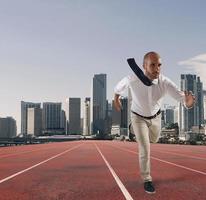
x,y
192,150
185,159
14,164
177,182
117,179
9,151
80,174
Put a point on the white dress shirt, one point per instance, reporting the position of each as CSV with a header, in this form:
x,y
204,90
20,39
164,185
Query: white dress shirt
x,y
146,100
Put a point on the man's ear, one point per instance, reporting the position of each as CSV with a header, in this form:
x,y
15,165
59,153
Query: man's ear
x,y
143,65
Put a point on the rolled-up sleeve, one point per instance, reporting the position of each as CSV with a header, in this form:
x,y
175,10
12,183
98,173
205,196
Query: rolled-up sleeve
x,y
121,86
173,91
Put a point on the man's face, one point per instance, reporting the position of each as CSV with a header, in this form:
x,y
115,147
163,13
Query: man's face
x,y
152,66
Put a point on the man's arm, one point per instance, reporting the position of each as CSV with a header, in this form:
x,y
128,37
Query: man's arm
x,y
119,90
187,98
117,102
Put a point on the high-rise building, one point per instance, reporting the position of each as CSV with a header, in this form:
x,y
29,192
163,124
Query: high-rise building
x,y
194,116
162,118
34,121
74,116
204,100
81,125
124,113
200,102
109,109
52,118
7,127
124,117
108,120
115,121
116,115
129,106
63,120
169,116
24,107
86,123
176,114
120,118
99,100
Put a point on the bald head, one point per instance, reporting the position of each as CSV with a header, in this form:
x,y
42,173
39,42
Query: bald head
x,y
150,55
151,64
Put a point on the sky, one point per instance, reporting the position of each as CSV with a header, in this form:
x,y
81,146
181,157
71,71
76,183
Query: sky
x,y
51,49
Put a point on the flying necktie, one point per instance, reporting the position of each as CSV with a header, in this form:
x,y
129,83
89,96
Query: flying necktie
x,y
139,73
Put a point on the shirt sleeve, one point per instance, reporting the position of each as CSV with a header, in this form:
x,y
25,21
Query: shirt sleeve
x,y
121,86
174,91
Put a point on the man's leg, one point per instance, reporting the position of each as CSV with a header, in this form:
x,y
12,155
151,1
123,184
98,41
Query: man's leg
x,y
131,133
141,131
154,129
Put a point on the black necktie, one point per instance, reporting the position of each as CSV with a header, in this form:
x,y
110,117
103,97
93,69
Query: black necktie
x,y
139,73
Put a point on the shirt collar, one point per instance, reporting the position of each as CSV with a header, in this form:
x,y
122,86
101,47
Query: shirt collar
x,y
155,81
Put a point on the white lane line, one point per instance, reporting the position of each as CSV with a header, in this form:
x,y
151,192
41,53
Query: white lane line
x,y
27,169
118,181
14,154
180,166
180,154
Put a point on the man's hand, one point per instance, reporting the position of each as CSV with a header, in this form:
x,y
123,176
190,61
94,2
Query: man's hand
x,y
117,102
189,99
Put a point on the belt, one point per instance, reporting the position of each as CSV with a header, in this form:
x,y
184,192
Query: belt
x,y
150,117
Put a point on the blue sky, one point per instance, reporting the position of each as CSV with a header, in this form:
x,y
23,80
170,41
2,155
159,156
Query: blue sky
x,y
50,49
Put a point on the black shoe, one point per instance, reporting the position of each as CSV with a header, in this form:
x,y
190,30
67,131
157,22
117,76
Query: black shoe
x,y
148,187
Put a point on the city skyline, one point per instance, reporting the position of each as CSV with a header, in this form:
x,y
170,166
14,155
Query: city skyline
x,y
25,105
51,49
32,104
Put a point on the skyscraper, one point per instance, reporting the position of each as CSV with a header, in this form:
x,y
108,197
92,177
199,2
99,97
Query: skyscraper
x,y
169,116
124,117
124,113
108,119
52,117
74,116
99,100
194,116
86,123
34,121
63,120
129,106
7,127
24,107
162,118
204,100
200,102
120,118
116,116
176,114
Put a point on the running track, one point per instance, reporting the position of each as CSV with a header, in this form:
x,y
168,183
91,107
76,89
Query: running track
x,y
102,170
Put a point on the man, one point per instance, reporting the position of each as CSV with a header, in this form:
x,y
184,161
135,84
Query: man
x,y
145,108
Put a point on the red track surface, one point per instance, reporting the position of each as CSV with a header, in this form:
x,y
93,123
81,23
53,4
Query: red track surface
x,y
77,170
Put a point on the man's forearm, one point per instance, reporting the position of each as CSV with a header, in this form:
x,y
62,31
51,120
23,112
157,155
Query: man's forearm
x,y
189,99
116,97
117,102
